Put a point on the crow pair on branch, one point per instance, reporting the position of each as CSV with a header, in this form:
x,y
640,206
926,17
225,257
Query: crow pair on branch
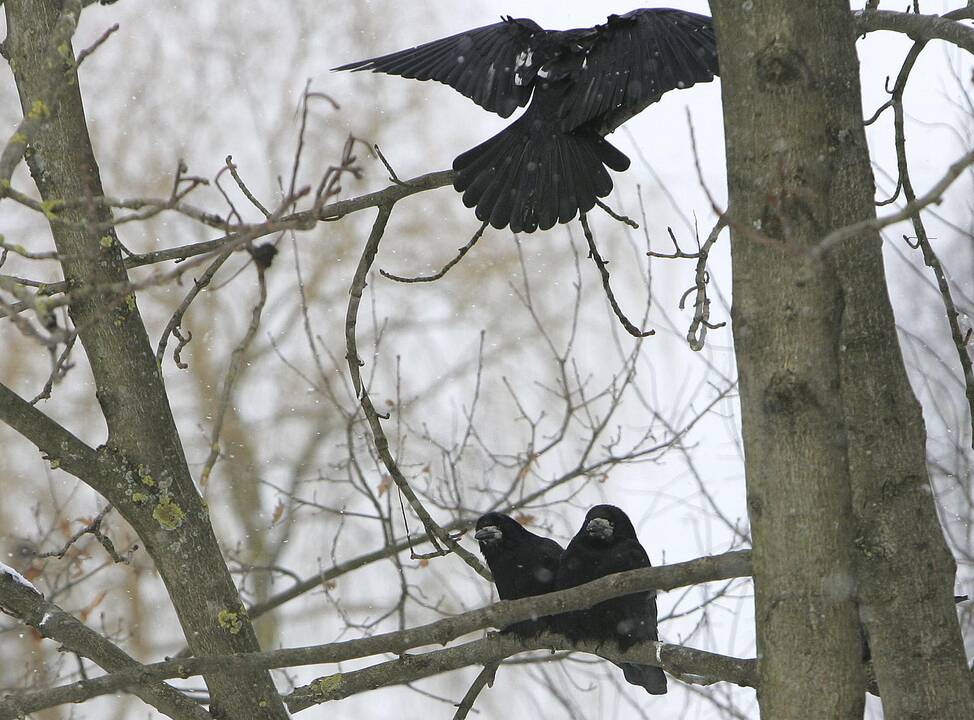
x,y
525,564
582,84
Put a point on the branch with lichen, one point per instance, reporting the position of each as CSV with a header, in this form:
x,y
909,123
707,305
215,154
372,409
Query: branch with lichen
x,y
57,445
440,632
57,55
703,667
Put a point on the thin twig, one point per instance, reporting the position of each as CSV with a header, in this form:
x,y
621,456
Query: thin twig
x,y
236,363
93,528
617,216
484,678
24,253
697,333
232,167
95,45
603,271
930,257
61,366
392,173
446,268
172,327
437,533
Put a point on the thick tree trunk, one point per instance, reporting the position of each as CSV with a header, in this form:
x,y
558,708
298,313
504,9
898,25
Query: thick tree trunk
x,y
776,74
906,571
156,495
820,368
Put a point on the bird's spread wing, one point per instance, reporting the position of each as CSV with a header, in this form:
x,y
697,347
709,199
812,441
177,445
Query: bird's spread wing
x,y
632,60
480,64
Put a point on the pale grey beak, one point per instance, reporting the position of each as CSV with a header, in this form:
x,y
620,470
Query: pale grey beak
x,y
489,534
599,528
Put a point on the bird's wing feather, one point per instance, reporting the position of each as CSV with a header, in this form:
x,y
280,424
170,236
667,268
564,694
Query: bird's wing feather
x,y
629,555
480,64
633,60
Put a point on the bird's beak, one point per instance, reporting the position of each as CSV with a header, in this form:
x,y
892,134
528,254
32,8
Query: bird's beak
x,y
599,528
489,534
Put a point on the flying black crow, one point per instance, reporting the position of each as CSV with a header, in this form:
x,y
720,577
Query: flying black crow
x,y
607,544
548,165
523,564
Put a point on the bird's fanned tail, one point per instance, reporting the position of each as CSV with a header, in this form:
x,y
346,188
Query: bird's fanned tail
x,y
651,679
533,174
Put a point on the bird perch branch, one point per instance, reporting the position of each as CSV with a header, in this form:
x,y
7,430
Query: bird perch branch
x,y
501,614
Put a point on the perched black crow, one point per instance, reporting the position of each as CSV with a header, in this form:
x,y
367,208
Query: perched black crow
x,y
523,564
548,165
607,544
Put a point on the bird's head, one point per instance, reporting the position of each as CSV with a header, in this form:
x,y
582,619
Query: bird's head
x,y
493,528
606,524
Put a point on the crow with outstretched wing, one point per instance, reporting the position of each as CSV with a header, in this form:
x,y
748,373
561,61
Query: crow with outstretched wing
x,y
579,85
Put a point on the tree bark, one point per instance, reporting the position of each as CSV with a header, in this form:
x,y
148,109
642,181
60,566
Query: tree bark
x,y
777,73
798,167
154,490
52,622
905,569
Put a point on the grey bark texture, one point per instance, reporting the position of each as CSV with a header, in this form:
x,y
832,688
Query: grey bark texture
x,y
787,311
838,493
52,622
905,569
153,488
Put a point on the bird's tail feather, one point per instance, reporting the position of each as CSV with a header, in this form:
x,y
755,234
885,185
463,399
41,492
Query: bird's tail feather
x,y
533,174
650,678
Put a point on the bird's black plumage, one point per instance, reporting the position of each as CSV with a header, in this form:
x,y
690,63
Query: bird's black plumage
x,y
607,544
582,84
523,564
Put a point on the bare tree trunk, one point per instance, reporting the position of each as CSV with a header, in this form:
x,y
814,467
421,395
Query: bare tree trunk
x,y
775,74
155,493
906,571
818,339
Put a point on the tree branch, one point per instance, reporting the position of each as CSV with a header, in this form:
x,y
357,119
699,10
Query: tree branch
x,y
437,534
920,27
55,624
501,614
304,220
677,659
931,197
48,96
155,493
56,444
593,252
307,219
930,257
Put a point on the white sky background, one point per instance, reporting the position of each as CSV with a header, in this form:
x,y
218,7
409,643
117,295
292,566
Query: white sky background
x,y
228,85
